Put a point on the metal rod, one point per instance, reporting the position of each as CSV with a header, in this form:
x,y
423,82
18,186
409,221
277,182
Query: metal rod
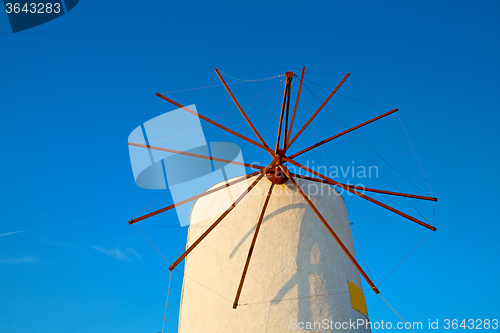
x,y
343,133
337,239
283,105
347,188
156,212
250,251
214,123
295,108
413,196
221,217
254,166
318,110
285,135
241,109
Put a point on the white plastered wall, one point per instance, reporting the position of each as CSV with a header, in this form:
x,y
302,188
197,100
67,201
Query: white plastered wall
x,y
294,258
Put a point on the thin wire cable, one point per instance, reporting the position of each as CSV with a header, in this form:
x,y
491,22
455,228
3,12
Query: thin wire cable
x,y
362,255
316,133
192,131
175,269
421,169
187,174
149,109
190,89
364,85
178,84
339,121
416,157
131,192
355,238
166,303
262,122
227,114
161,196
383,174
251,80
414,153
218,119
216,85
404,258
395,311
213,291
264,93
326,161
390,165
152,245
356,100
294,298
393,185
363,140
262,68
208,124
322,71
168,190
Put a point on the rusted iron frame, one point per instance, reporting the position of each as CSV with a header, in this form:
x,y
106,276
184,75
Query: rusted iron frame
x,y
318,110
195,155
347,188
161,210
295,108
343,133
285,134
241,109
214,123
172,267
250,251
330,230
413,196
283,106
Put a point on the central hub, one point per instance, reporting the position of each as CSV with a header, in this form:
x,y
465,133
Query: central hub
x,y
276,176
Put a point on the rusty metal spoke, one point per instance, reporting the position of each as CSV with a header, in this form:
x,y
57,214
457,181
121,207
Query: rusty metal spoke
x,y
250,251
330,230
254,166
413,196
214,123
161,210
241,110
347,188
228,210
295,108
318,110
343,133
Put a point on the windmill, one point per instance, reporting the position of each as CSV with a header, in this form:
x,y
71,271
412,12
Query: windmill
x,y
278,175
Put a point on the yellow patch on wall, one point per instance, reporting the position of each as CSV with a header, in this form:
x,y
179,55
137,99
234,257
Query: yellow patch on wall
x,y
358,301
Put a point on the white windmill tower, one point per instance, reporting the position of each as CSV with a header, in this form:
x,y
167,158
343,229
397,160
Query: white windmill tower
x,y
279,241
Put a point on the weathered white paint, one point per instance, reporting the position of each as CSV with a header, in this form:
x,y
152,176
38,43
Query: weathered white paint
x,y
295,257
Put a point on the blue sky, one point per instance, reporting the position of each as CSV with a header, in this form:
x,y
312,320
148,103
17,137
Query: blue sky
x,y
73,89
